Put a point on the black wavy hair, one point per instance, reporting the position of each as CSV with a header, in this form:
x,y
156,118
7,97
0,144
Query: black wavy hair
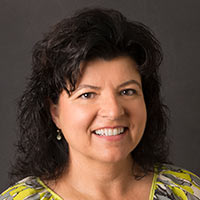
x,y
89,34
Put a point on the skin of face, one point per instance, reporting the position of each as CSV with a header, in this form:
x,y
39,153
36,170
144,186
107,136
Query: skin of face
x,y
108,95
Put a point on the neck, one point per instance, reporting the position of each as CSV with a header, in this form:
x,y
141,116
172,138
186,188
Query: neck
x,y
101,171
97,179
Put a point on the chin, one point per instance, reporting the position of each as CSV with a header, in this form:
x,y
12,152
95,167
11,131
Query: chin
x,y
114,157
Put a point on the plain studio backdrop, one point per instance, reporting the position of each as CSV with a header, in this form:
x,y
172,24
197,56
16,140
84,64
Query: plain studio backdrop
x,y
175,23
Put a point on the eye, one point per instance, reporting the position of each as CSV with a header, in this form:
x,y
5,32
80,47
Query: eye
x,y
128,92
87,95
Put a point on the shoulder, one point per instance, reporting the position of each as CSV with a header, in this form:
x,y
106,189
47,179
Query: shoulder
x,y
175,183
30,188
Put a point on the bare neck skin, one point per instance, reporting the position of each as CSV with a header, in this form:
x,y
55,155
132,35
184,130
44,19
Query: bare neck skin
x,y
93,180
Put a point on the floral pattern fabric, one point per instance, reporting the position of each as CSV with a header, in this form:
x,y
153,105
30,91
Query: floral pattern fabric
x,y
169,183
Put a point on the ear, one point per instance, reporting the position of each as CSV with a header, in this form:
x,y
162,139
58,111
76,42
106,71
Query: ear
x,y
54,113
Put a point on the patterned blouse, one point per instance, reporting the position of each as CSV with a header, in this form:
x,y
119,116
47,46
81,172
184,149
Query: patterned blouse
x,y
170,183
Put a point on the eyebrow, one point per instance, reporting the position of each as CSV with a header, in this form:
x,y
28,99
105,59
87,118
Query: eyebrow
x,y
130,82
87,86
98,88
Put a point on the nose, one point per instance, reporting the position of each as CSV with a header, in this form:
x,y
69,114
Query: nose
x,y
111,107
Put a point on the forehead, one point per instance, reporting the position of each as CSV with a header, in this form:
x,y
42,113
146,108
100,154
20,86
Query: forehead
x,y
99,71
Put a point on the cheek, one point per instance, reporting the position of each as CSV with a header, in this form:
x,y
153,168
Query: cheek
x,y
138,122
143,114
75,118
139,115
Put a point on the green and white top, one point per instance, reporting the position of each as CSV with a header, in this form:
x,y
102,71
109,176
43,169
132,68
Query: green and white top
x,y
170,183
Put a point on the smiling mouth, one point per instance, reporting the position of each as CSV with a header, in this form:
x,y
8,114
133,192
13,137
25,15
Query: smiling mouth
x,y
110,131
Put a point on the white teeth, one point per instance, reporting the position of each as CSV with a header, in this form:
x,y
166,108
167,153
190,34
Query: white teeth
x,y
115,132
109,131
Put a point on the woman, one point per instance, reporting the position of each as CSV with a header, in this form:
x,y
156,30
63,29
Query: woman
x,y
91,119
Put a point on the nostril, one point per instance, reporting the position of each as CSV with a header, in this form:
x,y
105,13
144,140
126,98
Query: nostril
x,y
111,111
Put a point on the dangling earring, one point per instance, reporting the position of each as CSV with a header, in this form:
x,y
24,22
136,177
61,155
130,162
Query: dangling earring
x,y
59,136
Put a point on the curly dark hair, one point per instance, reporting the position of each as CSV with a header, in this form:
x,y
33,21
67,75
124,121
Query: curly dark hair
x,y
89,34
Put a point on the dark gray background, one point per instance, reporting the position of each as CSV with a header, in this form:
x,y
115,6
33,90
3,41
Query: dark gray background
x,y
176,24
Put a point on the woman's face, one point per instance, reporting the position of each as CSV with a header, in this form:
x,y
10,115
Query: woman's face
x,y
104,118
